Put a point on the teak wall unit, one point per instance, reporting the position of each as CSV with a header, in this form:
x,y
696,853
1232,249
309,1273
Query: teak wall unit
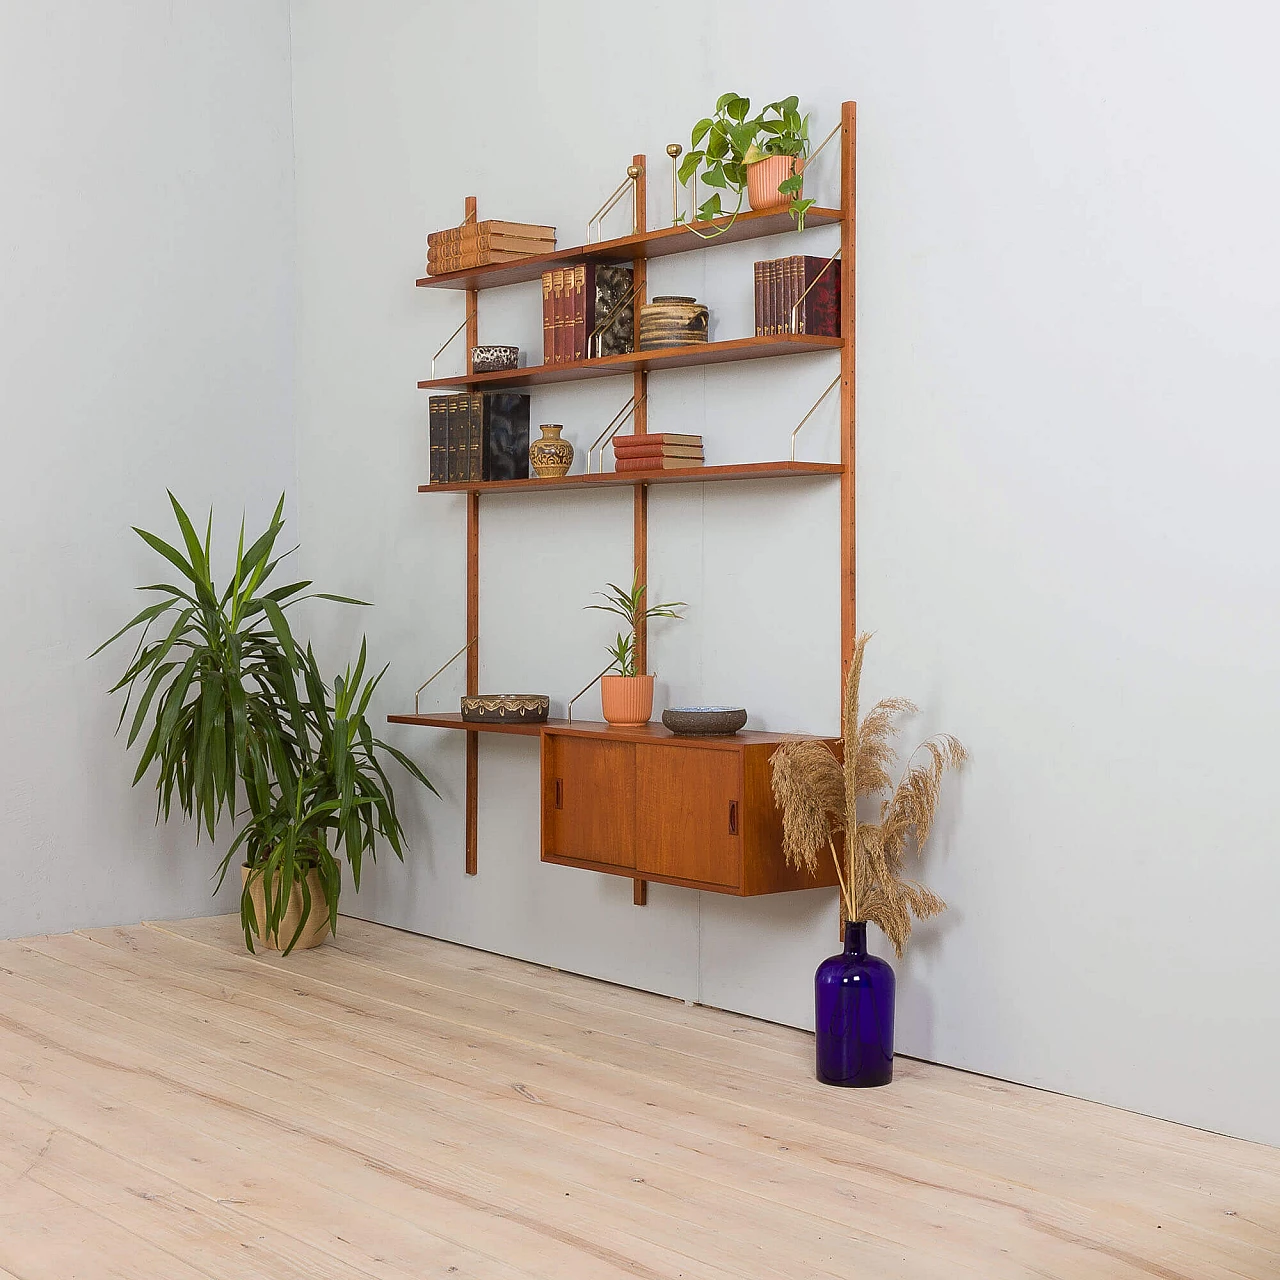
x,y
629,767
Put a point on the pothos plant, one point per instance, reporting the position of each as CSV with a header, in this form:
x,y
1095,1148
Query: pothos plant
x,y
630,607
724,143
239,722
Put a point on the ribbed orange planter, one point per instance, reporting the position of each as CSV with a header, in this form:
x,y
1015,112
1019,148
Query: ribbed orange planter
x,y
314,932
764,178
626,700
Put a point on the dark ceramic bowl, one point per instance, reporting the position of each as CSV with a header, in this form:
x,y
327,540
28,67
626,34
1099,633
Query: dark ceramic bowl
x,y
494,359
697,722
506,708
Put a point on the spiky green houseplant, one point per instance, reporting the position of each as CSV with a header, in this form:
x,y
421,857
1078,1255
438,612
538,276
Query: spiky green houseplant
x,y
818,791
631,608
241,724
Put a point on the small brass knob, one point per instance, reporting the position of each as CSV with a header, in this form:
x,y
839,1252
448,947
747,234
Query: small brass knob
x,y
633,171
674,149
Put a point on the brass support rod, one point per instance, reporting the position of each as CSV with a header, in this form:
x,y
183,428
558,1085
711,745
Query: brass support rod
x,y
835,383
613,428
441,672
467,320
585,688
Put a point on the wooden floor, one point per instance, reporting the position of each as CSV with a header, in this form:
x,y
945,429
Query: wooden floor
x,y
392,1106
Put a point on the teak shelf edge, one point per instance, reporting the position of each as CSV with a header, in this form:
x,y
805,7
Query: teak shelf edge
x,y
661,242
730,351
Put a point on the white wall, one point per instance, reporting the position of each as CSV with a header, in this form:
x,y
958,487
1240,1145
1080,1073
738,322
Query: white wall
x,y
146,296
1066,514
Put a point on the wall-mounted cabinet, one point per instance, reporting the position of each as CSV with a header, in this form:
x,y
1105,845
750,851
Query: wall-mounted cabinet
x,y
644,803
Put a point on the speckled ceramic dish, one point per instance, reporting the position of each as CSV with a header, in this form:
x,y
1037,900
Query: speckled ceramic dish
x,y
494,359
699,722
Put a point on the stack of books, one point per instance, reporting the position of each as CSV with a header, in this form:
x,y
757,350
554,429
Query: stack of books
x,y
578,300
658,452
479,436
477,244
781,283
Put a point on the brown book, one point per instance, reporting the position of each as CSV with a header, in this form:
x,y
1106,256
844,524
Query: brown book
x,y
578,311
548,320
475,436
557,316
658,451
490,227
655,464
759,298
774,292
794,288
820,287
651,437
444,258
483,258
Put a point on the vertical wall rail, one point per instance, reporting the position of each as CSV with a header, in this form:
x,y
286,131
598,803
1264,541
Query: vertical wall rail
x,y
848,396
640,507
473,603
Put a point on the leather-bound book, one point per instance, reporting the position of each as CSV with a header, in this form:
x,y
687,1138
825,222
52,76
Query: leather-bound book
x,y
506,435
758,294
578,310
820,311
451,237
455,429
548,319
656,464
557,316
439,438
653,439
475,436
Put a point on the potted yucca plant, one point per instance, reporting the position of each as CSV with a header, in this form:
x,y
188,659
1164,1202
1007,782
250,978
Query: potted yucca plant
x,y
240,723
625,697
818,790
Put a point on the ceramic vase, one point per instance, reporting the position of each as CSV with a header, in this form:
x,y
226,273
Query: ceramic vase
x,y
765,176
853,1001
550,456
316,928
672,321
626,700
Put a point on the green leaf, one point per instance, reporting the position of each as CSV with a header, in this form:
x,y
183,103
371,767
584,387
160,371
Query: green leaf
x,y
700,131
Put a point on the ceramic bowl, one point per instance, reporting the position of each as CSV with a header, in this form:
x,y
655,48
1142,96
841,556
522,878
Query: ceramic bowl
x,y
704,721
506,708
494,359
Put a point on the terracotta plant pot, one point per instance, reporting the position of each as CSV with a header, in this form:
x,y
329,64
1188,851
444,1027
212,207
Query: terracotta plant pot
x,y
626,700
765,176
314,932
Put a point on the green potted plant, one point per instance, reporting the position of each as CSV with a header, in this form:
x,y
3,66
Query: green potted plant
x,y
625,697
763,155
241,723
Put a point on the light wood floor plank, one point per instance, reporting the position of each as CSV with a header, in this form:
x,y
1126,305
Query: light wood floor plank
x,y
391,1106
1065,1181
670,1135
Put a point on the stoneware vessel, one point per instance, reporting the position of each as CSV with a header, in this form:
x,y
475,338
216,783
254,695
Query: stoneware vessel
x,y
314,932
704,721
626,700
550,456
672,321
853,1014
506,708
494,359
765,176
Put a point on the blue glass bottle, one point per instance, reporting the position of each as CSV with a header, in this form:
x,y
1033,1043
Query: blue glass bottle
x,y
853,998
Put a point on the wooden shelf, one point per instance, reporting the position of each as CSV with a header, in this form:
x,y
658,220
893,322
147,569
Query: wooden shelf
x,y
701,353
614,479
659,243
654,731
454,720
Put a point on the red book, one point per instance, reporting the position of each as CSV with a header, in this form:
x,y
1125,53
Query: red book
x,y
656,464
820,311
662,451
654,437
548,320
579,311
759,297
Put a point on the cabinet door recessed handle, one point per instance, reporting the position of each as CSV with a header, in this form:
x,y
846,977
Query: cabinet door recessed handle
x,y
733,817
559,793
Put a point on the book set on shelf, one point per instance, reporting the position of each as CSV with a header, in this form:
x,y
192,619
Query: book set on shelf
x,y
481,244
479,436
824,290
800,294
587,310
